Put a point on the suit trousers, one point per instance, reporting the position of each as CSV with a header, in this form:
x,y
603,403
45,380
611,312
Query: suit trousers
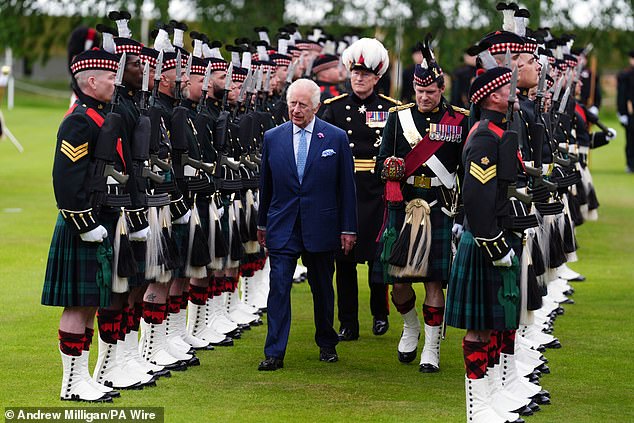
x,y
348,295
629,144
321,267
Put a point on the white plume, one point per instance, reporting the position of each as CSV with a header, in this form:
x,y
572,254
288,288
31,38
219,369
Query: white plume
x,y
108,42
370,52
178,37
162,41
122,28
488,62
282,46
198,48
246,59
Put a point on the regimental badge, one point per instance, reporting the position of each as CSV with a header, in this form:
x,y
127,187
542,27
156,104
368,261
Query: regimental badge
x,y
378,141
447,133
376,119
362,109
485,161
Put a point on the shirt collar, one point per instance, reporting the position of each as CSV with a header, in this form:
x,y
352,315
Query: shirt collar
x,y
309,127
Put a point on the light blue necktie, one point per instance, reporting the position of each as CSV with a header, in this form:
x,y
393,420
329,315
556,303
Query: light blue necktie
x,y
302,152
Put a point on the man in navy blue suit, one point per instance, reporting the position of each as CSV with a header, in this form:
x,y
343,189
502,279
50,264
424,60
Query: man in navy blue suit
x,y
308,208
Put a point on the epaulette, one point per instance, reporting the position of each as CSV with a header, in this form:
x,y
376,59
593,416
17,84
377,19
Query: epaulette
x,y
331,99
403,107
461,110
390,99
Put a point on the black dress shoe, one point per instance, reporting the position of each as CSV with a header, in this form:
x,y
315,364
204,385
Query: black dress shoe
x,y
541,399
524,411
554,344
346,334
380,326
407,357
428,368
328,355
271,363
227,342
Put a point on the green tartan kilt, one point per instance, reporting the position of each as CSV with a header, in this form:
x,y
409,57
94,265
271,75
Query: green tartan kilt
x,y
180,233
440,253
138,248
472,295
78,273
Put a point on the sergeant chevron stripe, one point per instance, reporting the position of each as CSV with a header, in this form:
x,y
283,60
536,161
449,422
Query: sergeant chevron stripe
x,y
74,153
480,174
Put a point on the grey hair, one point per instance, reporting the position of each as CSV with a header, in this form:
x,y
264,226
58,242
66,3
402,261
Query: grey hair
x,y
82,77
307,84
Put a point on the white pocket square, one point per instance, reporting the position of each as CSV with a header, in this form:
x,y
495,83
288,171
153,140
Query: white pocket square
x,y
329,152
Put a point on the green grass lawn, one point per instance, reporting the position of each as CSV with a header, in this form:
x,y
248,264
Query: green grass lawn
x,y
591,379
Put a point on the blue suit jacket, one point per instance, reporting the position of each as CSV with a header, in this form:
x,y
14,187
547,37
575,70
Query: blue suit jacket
x,y
325,200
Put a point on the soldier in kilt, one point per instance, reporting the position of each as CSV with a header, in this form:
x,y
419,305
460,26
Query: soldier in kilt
x,y
427,141
483,292
113,320
362,114
174,223
79,269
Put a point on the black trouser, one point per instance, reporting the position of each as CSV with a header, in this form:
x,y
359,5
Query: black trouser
x,y
348,295
629,144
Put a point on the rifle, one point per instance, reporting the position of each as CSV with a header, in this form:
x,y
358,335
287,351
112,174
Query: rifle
x,y
203,118
155,119
141,152
228,81
106,147
508,147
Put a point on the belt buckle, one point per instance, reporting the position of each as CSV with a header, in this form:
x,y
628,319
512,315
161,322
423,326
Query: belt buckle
x,y
422,182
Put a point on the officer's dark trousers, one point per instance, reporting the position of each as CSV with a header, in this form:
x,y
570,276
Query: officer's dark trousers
x,y
629,145
321,266
348,295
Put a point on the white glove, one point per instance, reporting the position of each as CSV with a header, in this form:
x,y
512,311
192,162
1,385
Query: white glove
x,y
457,230
624,120
96,235
611,134
594,110
184,219
505,261
141,235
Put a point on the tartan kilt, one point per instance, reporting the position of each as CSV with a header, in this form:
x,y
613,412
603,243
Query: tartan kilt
x,y
71,278
440,250
138,248
180,234
472,295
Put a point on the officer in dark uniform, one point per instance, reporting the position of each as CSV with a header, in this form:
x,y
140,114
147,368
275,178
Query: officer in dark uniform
x,y
428,135
482,297
590,95
407,90
461,81
625,109
81,249
328,76
362,114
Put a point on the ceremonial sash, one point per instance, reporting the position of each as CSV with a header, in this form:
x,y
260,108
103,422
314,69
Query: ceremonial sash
x,y
582,112
424,149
